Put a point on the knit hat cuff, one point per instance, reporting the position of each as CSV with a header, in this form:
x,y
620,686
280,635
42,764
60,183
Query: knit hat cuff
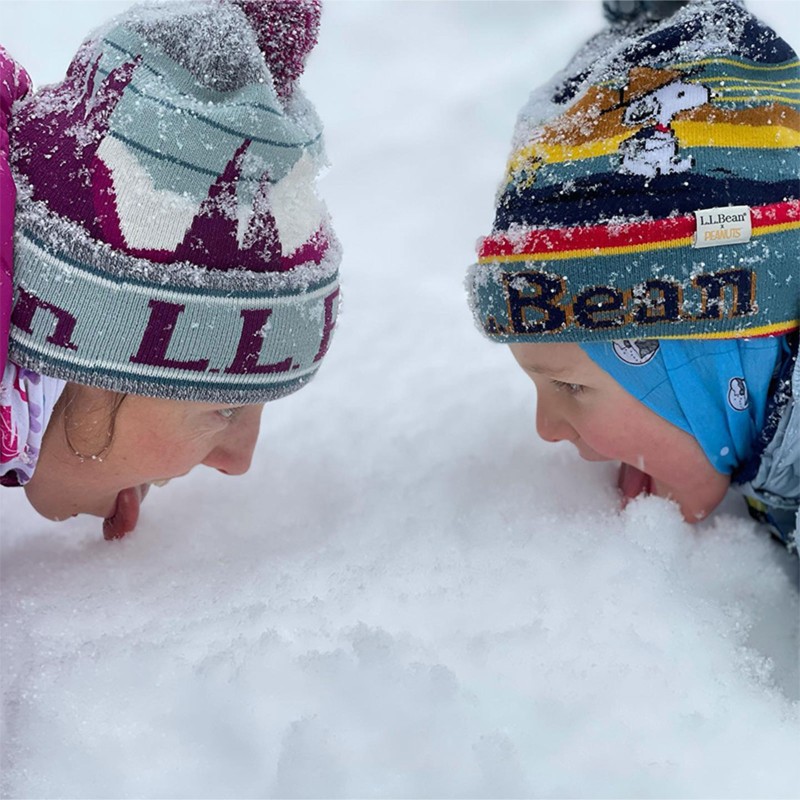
x,y
88,313
637,280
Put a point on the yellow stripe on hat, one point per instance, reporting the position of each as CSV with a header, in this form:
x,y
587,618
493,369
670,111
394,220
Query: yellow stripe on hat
x,y
732,86
526,157
762,230
588,252
739,64
736,80
776,329
761,97
726,134
690,134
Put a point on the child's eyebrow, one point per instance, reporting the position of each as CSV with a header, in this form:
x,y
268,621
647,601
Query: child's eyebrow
x,y
546,370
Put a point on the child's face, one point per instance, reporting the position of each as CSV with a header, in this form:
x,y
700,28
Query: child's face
x,y
153,440
579,402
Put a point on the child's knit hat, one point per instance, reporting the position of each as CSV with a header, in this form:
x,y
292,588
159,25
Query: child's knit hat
x,y
169,239
652,191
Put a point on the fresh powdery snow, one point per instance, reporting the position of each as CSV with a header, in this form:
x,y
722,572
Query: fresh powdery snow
x,y
409,595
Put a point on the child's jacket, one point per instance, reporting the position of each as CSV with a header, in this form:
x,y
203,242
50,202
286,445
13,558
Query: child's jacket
x,y
770,481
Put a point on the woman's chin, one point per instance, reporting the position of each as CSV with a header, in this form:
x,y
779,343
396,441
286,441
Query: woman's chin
x,y
57,510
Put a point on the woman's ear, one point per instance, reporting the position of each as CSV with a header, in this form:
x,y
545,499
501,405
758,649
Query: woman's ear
x,y
88,417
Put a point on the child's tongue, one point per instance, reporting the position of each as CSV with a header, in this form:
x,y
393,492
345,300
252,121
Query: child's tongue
x,y
632,482
125,515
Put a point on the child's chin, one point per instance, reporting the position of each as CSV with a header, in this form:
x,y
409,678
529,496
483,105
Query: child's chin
x,y
695,504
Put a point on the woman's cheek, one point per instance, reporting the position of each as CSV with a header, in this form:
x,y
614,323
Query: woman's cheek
x,y
194,437
183,460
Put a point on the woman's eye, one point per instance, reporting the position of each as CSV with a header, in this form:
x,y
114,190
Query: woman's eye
x,y
572,388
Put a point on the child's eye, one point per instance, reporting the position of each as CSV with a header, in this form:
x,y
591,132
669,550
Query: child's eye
x,y
572,388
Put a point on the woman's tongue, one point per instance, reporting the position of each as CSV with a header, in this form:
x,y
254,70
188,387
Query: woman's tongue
x,y
125,515
632,482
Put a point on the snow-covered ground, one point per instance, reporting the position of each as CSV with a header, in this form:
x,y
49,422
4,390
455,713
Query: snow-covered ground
x,y
409,595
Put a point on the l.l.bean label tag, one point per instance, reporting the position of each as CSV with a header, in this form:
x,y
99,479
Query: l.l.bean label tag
x,y
728,225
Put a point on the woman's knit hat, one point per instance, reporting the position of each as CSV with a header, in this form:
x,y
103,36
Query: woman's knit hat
x,y
169,238
652,191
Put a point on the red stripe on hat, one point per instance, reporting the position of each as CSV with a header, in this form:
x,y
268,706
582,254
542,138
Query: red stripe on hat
x,y
630,234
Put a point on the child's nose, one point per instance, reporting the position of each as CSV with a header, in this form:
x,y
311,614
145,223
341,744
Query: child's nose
x,y
550,425
234,454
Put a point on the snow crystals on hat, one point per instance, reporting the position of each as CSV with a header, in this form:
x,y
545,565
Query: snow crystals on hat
x,y
170,241
661,137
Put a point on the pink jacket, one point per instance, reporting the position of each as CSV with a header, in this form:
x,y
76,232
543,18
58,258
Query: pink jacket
x,y
14,85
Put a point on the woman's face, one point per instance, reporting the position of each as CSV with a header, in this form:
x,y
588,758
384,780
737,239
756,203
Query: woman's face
x,y
101,461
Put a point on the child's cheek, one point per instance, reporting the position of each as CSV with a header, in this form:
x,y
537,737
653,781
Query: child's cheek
x,y
605,433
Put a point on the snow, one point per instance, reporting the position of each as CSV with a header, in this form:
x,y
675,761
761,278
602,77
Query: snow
x,y
409,595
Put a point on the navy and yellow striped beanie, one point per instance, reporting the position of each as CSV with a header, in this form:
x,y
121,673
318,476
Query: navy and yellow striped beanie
x,y
169,238
653,189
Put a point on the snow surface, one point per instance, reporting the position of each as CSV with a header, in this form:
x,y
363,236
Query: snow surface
x,y
409,595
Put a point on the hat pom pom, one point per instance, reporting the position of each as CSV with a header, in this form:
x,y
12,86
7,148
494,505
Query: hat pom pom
x,y
286,31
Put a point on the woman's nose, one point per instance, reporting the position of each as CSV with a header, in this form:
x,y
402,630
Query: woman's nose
x,y
234,454
550,425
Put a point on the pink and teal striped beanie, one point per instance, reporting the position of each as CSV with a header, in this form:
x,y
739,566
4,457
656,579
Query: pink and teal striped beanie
x,y
169,238
653,189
